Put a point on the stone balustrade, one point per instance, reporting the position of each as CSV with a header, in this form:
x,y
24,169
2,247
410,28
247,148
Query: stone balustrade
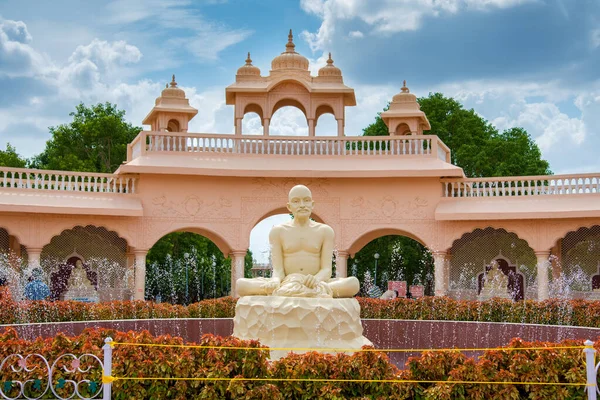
x,y
161,142
523,186
37,179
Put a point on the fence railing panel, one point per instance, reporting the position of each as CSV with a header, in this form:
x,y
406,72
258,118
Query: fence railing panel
x,y
522,186
36,179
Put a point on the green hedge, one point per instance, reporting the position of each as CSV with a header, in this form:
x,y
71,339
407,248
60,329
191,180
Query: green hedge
x,y
549,312
560,365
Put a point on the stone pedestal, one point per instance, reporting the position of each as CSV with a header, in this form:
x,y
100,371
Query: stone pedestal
x,y
297,322
83,295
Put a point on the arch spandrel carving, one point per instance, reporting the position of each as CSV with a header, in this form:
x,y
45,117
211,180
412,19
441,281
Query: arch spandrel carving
x,y
225,235
190,207
390,208
267,187
22,228
356,235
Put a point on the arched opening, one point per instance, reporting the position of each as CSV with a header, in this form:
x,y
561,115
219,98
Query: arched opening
x,y
575,262
252,124
402,129
13,258
259,244
185,267
173,126
325,122
394,262
288,119
88,264
476,253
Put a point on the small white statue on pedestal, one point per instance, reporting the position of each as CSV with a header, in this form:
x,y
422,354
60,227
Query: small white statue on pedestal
x,y
79,286
495,284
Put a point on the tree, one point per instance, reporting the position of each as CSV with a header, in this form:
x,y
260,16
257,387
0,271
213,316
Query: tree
x,y
10,158
95,141
479,149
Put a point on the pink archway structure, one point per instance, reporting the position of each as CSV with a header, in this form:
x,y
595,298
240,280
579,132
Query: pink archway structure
x,y
222,185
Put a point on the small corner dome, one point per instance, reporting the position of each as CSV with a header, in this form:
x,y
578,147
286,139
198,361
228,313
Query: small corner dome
x,y
248,68
405,96
289,59
330,69
172,90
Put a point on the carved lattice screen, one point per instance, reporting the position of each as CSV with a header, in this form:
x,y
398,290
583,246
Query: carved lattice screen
x,y
4,241
577,258
103,253
474,251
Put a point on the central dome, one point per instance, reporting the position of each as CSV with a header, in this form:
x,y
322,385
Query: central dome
x,y
289,59
173,91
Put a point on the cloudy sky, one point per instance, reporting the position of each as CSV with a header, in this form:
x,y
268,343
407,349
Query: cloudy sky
x,y
528,63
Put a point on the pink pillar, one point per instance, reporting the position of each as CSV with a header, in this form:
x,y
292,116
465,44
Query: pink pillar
x,y
340,126
543,264
439,260
140,274
341,264
266,122
33,256
311,127
237,268
238,126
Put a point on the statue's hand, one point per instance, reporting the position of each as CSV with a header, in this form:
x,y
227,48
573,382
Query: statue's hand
x,y
270,286
310,281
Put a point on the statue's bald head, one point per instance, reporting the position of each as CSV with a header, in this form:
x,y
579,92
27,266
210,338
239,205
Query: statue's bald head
x,y
300,191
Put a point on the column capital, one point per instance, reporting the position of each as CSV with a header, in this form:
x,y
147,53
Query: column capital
x,y
544,253
342,253
140,252
35,250
238,253
441,253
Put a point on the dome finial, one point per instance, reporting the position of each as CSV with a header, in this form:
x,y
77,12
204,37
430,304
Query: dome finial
x,y
290,46
173,83
330,60
404,88
248,60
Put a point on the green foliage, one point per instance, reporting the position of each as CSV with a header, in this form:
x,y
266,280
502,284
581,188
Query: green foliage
x,y
237,367
549,312
400,259
10,158
479,149
95,141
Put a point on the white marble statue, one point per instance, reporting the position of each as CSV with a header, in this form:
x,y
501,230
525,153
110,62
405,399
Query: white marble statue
x,y
79,286
301,306
301,254
495,284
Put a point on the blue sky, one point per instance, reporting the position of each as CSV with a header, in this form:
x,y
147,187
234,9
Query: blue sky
x,y
528,63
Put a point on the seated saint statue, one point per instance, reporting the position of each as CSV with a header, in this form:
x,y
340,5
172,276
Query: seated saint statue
x,y
301,254
79,287
79,279
495,283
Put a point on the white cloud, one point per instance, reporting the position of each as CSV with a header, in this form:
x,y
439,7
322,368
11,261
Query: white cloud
x,y
356,34
595,38
201,37
17,57
386,16
107,55
561,137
